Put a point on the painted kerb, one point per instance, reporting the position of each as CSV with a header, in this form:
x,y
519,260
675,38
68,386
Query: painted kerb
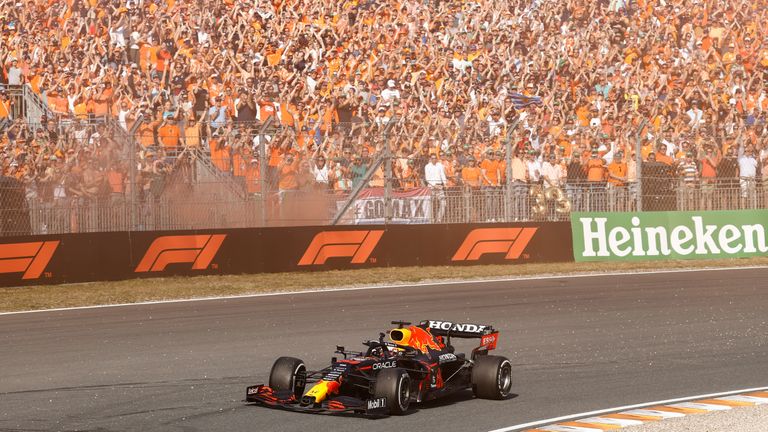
x,y
669,235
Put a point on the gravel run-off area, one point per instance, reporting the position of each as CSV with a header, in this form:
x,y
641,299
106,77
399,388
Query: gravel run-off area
x,y
741,419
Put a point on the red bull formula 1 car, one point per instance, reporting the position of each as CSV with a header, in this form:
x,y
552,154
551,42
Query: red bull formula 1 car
x,y
417,364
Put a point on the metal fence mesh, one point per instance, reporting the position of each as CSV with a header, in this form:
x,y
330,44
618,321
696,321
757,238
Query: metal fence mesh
x,y
97,176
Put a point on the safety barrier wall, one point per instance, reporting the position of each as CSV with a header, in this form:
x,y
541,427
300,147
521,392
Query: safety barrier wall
x,y
50,259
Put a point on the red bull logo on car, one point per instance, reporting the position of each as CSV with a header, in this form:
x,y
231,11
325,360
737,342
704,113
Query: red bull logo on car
x,y
414,337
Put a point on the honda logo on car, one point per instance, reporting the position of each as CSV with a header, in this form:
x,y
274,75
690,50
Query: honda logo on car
x,y
447,325
669,234
385,365
377,403
446,358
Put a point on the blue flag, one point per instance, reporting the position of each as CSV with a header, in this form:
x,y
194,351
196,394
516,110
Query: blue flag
x,y
521,101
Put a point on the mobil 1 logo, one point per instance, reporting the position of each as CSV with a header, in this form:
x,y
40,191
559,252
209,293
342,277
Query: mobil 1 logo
x,y
377,407
377,403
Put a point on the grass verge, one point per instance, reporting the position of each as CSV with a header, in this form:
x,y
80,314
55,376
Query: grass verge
x,y
141,290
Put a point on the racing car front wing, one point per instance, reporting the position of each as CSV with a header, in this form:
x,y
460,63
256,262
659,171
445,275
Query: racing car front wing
x,y
265,395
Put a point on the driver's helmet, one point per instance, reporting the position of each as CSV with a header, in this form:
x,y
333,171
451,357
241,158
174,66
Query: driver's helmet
x,y
415,337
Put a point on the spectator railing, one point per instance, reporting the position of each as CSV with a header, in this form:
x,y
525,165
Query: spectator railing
x,y
28,105
108,179
184,211
185,205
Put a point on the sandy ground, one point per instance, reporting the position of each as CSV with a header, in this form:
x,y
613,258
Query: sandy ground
x,y
742,419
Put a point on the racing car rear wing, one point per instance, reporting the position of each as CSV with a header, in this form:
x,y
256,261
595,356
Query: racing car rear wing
x,y
459,330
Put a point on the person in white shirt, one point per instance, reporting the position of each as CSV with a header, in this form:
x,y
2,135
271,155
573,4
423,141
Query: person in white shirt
x,y
534,167
434,175
747,162
390,93
552,172
747,175
320,171
496,123
695,115
14,73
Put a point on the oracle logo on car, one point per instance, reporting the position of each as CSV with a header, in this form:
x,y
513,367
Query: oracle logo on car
x,y
357,244
481,241
196,249
31,258
385,365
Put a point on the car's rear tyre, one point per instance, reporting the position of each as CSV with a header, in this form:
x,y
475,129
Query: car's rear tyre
x,y
492,377
288,373
395,385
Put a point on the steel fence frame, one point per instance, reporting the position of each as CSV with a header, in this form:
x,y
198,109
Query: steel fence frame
x,y
525,202
198,195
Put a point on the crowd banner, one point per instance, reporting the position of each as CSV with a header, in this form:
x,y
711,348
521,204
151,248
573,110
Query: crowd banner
x,y
408,207
669,235
49,259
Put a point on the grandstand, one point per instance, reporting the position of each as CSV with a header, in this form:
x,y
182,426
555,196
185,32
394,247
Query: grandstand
x,y
141,115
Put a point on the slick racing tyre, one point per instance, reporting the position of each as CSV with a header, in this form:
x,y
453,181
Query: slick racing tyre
x,y
395,385
288,373
492,377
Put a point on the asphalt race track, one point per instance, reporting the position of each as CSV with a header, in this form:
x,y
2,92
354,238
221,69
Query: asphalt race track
x,y
577,345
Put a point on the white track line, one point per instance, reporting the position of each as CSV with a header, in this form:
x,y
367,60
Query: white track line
x,y
551,421
372,287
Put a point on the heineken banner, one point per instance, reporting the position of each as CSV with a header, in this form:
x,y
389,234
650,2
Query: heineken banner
x,y
669,235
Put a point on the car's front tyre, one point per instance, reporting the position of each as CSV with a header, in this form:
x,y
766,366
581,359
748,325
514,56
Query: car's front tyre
x,y
395,385
492,377
288,373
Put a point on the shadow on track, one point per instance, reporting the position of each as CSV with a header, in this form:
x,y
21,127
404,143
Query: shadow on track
x,y
461,396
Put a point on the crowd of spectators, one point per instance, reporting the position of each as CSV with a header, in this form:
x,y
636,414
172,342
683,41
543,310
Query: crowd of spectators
x,y
81,163
572,84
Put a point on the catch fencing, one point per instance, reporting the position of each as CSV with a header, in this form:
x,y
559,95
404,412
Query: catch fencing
x,y
103,176
185,204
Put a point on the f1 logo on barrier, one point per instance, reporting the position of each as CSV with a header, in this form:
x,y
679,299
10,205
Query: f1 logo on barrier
x,y
196,249
481,241
30,258
334,244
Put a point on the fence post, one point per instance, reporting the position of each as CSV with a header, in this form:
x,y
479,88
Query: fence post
x,y
132,148
639,164
383,157
508,172
387,178
263,162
